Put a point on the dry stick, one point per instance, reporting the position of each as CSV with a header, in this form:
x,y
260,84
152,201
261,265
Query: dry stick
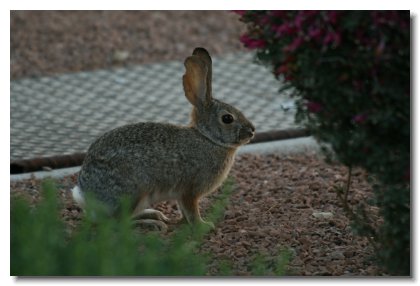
x,y
344,200
348,209
348,184
268,211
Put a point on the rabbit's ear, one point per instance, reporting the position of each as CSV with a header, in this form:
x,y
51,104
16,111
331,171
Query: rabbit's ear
x,y
203,54
194,81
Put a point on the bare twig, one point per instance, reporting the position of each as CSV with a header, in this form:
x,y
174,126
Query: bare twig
x,y
359,220
344,200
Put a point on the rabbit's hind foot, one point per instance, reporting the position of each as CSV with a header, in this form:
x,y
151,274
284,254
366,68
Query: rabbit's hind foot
x,y
151,214
151,224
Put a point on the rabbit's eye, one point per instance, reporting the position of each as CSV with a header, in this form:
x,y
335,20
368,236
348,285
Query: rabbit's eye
x,y
227,118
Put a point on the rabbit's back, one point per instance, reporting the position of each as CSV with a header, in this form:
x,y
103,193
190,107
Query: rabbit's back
x,y
154,159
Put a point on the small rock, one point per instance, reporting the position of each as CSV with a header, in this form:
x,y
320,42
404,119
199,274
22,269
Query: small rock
x,y
349,253
289,105
121,55
292,252
337,255
323,215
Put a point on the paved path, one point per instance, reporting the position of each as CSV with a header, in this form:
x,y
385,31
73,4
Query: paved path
x,y
63,114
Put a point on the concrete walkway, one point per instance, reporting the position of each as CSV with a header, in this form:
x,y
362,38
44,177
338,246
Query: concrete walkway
x,y
63,114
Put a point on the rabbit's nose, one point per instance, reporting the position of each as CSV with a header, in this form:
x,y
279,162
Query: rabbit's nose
x,y
251,131
252,127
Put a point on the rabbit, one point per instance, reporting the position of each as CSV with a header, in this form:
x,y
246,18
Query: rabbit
x,y
153,162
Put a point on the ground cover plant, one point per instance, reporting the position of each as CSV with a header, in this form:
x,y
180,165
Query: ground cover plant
x,y
40,245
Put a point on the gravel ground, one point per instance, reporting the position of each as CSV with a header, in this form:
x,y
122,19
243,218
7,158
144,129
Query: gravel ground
x,y
272,206
51,42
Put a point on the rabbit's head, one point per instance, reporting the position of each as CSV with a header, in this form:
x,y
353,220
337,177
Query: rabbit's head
x,y
218,121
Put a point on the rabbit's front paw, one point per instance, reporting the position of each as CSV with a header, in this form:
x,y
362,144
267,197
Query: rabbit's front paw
x,y
209,224
205,225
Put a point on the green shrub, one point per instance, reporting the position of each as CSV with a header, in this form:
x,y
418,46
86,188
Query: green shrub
x,y
266,266
37,237
350,74
106,246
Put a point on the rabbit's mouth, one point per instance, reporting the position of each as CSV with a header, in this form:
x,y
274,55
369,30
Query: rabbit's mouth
x,y
246,134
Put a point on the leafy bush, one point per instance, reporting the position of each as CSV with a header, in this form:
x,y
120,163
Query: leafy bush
x,y
350,74
108,246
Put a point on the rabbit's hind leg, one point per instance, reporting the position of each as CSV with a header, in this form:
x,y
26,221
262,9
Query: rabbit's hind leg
x,y
148,218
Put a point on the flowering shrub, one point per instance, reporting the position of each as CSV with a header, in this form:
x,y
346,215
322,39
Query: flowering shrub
x,y
350,74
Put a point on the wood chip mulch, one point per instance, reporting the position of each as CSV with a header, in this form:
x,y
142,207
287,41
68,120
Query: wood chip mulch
x,y
276,204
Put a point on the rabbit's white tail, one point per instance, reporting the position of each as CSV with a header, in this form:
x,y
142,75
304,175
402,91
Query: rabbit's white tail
x,y
78,196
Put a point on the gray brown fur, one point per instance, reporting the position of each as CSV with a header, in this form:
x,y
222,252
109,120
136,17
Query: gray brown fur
x,y
152,162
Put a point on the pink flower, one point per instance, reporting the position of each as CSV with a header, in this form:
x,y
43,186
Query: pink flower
x,y
299,21
407,174
357,84
332,37
239,12
289,77
264,20
360,118
380,48
285,29
252,43
310,13
297,42
278,13
282,69
314,107
332,16
315,33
